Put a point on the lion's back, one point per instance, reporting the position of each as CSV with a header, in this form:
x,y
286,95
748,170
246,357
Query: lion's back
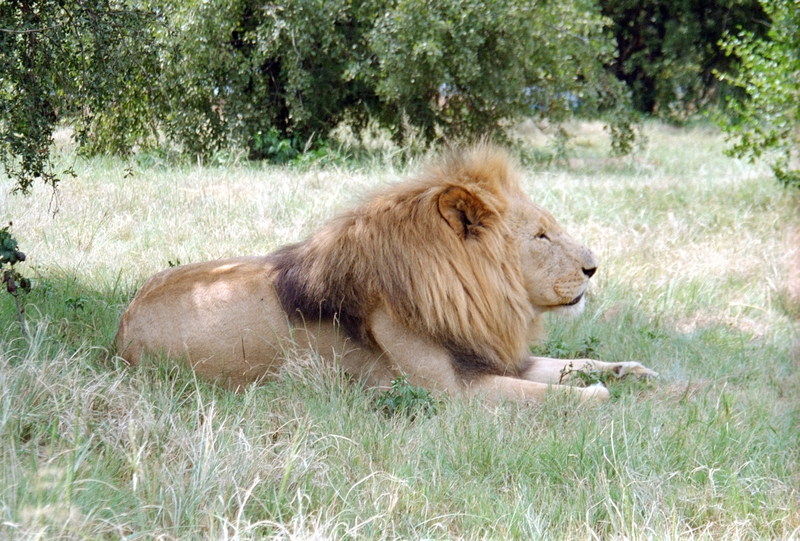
x,y
222,316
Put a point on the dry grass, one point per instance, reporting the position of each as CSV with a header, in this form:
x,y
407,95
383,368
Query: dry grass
x,y
698,280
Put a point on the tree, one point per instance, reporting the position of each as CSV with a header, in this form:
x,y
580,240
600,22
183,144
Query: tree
x,y
462,67
245,73
669,50
86,60
207,75
767,123
249,74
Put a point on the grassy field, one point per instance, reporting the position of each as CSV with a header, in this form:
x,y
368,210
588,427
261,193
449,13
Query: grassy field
x,y
699,279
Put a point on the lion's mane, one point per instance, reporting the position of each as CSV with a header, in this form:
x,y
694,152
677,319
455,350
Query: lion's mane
x,y
456,280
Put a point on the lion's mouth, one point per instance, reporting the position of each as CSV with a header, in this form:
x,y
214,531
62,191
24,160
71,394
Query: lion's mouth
x,y
574,301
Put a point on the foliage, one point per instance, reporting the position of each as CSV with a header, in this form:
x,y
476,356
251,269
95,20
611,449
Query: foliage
x,y
219,75
462,67
585,376
10,278
669,51
767,123
85,60
587,347
246,74
273,77
559,348
406,399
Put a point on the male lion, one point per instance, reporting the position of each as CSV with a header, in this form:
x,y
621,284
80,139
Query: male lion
x,y
443,278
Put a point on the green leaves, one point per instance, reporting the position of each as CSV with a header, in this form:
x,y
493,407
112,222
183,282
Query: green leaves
x,y
669,52
10,279
202,77
9,255
461,69
766,123
85,62
406,399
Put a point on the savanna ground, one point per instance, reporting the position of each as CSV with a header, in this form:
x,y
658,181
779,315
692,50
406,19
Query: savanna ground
x,y
698,280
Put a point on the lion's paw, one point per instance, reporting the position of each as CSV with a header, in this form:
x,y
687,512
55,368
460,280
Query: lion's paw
x,y
632,368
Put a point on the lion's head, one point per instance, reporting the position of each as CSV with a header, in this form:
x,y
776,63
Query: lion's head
x,y
460,254
555,268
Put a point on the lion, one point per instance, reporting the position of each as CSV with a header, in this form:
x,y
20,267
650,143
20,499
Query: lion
x,y
443,278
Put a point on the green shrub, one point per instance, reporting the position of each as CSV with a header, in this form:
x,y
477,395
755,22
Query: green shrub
x,y
273,79
669,51
242,73
406,399
89,61
462,67
767,123
10,278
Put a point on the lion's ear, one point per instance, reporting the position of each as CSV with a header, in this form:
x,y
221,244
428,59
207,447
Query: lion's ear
x,y
462,210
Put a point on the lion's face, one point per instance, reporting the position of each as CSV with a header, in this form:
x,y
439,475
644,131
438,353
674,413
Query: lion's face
x,y
556,268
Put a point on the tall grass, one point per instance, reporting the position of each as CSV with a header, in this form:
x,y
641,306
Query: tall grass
x,y
695,282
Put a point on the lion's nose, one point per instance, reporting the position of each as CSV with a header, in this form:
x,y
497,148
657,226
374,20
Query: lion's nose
x,y
590,272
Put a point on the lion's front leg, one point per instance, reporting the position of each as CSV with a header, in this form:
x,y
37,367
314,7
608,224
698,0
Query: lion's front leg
x,y
429,365
559,371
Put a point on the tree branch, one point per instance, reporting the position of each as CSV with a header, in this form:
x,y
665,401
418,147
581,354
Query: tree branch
x,y
30,30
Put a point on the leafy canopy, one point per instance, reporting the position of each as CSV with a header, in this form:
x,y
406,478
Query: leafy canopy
x,y
88,61
272,78
669,51
767,123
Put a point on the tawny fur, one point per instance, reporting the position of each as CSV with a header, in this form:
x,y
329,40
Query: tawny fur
x,y
465,290
443,278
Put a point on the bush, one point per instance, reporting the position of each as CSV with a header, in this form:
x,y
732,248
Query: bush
x,y
767,123
253,75
276,78
669,51
239,72
463,67
10,278
86,60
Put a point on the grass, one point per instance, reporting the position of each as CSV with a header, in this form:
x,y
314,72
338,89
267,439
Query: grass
x,y
697,259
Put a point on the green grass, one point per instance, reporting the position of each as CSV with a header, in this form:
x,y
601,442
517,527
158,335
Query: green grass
x,y
695,282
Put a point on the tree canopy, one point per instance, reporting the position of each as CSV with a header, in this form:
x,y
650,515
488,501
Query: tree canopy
x,y
272,78
85,60
669,53
204,76
765,122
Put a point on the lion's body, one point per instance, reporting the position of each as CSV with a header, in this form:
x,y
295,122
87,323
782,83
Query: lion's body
x,y
443,279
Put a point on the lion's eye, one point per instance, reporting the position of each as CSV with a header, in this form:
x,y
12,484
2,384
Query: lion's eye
x,y
542,236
